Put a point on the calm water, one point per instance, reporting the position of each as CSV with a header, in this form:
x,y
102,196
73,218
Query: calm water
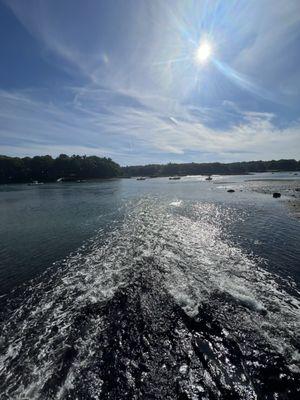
x,y
68,246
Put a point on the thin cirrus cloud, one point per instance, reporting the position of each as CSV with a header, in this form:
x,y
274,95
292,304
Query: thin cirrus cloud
x,y
134,92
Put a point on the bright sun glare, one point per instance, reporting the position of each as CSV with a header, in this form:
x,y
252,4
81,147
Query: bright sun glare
x,y
203,52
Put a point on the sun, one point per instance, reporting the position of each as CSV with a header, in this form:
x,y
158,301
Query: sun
x,y
203,53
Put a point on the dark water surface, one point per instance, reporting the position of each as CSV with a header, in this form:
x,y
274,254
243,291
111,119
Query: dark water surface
x,y
151,289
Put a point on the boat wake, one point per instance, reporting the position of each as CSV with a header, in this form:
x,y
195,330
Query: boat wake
x,y
164,308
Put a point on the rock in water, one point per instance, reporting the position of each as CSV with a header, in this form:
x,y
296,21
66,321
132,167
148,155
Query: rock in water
x,y
276,195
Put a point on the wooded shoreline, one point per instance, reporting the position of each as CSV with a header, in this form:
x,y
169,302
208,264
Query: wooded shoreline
x,y
76,167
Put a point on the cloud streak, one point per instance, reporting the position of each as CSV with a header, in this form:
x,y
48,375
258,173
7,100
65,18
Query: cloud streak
x,y
132,102
126,132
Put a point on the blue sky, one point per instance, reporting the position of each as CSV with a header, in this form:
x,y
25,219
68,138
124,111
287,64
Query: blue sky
x,y
120,79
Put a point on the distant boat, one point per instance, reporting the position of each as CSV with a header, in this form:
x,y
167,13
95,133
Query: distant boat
x,y
174,178
209,178
70,178
141,179
35,183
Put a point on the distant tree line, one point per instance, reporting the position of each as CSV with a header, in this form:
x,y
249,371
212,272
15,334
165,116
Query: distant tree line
x,y
47,169
211,168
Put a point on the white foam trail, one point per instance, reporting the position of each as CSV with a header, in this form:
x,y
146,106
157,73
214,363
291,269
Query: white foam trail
x,y
196,262
176,203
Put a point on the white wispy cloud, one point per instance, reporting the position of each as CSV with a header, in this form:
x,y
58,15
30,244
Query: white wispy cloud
x,y
274,28
43,128
134,106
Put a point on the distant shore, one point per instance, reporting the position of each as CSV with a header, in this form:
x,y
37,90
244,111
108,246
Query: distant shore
x,y
42,169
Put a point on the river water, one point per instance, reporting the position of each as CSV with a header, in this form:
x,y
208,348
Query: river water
x,y
152,289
